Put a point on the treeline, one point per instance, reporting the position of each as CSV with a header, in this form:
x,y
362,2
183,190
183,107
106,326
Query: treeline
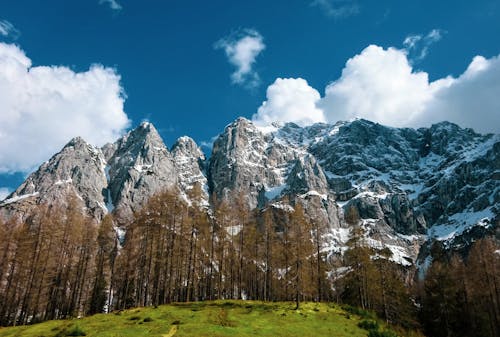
x,y
461,296
174,252
47,264
59,264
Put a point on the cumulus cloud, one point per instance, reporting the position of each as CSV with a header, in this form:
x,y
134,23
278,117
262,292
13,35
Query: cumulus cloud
x,y
378,84
242,49
4,192
113,4
290,100
337,8
7,29
43,107
418,45
471,100
381,85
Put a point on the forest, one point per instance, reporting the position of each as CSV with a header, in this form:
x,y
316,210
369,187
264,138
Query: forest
x,y
58,263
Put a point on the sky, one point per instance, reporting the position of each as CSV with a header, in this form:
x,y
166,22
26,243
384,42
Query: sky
x,y
97,68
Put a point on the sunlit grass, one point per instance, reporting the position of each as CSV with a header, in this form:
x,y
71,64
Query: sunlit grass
x,y
215,318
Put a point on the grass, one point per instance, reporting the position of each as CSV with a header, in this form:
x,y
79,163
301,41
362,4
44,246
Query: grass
x,y
200,319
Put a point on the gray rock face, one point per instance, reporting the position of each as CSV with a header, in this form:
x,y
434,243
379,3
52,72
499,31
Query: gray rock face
x,y
246,161
76,171
120,177
140,166
189,162
408,186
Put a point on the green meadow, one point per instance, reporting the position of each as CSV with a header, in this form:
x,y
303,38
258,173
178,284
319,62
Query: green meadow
x,y
200,319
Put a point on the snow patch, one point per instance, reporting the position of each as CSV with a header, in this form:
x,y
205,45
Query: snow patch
x,y
399,255
408,237
142,168
341,234
331,175
267,129
372,194
273,192
18,198
283,206
460,222
412,190
341,203
314,193
61,182
120,233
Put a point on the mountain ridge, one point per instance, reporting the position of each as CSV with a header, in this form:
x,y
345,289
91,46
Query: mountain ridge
x,y
409,186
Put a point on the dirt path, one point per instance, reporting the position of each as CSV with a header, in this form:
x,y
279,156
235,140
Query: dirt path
x,y
172,331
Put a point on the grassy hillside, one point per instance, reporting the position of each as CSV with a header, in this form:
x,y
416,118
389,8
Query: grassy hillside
x,y
218,318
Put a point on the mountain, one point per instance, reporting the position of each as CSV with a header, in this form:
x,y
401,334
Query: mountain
x,y
408,187
118,177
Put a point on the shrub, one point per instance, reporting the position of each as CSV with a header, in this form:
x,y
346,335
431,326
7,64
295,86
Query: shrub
x,y
368,324
360,312
147,319
76,331
386,333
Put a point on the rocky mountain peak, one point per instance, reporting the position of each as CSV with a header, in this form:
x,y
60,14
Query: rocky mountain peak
x,y
139,165
144,136
190,164
76,171
187,146
76,142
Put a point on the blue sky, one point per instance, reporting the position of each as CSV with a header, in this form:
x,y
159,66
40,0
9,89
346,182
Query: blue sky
x,y
170,62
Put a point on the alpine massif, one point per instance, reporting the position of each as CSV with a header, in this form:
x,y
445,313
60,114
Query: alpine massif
x,y
409,187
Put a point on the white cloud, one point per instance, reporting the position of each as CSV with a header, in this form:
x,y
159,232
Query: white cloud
x,y
381,85
43,107
417,46
471,100
378,84
337,8
7,29
113,4
4,192
242,49
209,144
289,100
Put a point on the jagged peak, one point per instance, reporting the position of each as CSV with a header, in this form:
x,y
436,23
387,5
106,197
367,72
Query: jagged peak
x,y
146,125
79,143
362,123
240,127
144,133
240,122
242,119
184,140
146,128
187,145
76,141
450,127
